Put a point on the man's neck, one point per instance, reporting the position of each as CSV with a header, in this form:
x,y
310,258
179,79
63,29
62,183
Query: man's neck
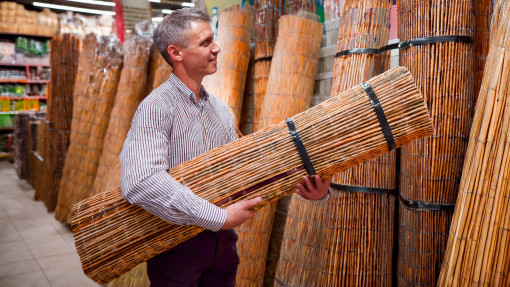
x,y
193,84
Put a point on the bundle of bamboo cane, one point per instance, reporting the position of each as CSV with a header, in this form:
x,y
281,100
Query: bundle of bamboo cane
x,y
163,72
155,59
21,150
94,109
266,32
289,91
431,168
478,249
483,13
130,92
112,236
364,233
41,178
235,27
64,59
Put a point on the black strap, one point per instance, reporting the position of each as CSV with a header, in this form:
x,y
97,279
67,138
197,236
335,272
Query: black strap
x,y
353,188
407,44
383,121
420,205
300,147
269,58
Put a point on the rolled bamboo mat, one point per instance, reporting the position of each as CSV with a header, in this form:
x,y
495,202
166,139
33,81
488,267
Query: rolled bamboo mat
x,y
431,167
155,59
64,59
20,144
483,13
235,27
112,236
39,174
292,7
246,124
162,73
289,91
478,249
136,277
94,109
130,92
365,25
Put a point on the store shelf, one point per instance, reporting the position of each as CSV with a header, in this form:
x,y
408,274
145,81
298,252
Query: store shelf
x,y
5,155
26,35
24,64
6,129
24,97
23,81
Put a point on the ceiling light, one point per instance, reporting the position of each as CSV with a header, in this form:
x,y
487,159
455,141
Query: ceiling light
x,y
155,1
166,11
75,9
157,19
94,2
187,4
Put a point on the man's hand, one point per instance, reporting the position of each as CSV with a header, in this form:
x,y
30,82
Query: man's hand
x,y
311,192
239,212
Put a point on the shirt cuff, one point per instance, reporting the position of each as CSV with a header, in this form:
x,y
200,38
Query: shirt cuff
x,y
210,216
327,196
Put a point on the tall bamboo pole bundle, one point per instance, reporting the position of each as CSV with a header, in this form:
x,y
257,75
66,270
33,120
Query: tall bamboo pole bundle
x,y
478,250
64,59
365,25
113,236
235,27
431,168
130,92
483,13
266,32
289,91
95,106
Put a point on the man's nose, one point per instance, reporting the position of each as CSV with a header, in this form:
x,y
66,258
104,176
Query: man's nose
x,y
216,49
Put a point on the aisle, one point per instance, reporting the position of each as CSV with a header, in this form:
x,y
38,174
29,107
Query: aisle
x,y
35,249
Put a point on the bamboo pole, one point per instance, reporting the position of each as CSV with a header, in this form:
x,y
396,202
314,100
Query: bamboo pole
x,y
477,253
483,12
289,91
431,167
113,236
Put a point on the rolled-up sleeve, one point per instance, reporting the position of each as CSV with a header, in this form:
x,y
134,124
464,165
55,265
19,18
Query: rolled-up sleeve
x,y
145,180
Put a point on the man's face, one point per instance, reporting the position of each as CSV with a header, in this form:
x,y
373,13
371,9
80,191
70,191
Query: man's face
x,y
201,55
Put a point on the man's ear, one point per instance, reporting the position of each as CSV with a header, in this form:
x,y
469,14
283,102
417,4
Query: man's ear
x,y
175,53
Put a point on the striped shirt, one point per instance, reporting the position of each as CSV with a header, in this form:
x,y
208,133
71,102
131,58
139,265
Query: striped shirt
x,y
169,127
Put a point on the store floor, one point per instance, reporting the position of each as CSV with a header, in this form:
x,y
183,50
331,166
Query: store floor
x,y
35,249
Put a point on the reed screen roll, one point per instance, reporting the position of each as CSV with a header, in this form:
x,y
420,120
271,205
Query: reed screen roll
x,y
130,92
431,167
365,25
113,236
478,249
64,59
235,27
94,109
289,91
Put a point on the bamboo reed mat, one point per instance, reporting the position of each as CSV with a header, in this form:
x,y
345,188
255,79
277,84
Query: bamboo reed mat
x,y
39,174
155,60
162,73
235,27
246,124
483,13
64,59
130,92
113,236
431,167
289,91
136,277
20,147
478,249
93,116
366,25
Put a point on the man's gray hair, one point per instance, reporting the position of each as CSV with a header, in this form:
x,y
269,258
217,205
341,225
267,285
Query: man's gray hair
x,y
174,28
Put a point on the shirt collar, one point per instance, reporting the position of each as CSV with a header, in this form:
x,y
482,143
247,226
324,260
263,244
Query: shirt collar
x,y
204,95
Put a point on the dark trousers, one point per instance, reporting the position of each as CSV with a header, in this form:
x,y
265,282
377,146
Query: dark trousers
x,y
208,259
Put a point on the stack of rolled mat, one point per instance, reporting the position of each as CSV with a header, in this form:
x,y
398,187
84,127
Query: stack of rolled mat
x,y
112,236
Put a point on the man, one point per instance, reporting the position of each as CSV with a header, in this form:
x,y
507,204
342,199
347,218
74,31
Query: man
x,y
178,121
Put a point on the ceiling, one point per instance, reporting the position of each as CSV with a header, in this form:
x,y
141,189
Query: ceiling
x,y
156,7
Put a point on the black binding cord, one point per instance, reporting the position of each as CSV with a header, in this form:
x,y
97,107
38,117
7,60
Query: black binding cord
x,y
383,121
420,205
300,147
263,59
407,44
353,188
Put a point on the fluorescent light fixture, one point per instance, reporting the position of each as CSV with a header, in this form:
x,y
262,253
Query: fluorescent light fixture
x,y
157,19
187,4
94,2
155,1
75,9
166,11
